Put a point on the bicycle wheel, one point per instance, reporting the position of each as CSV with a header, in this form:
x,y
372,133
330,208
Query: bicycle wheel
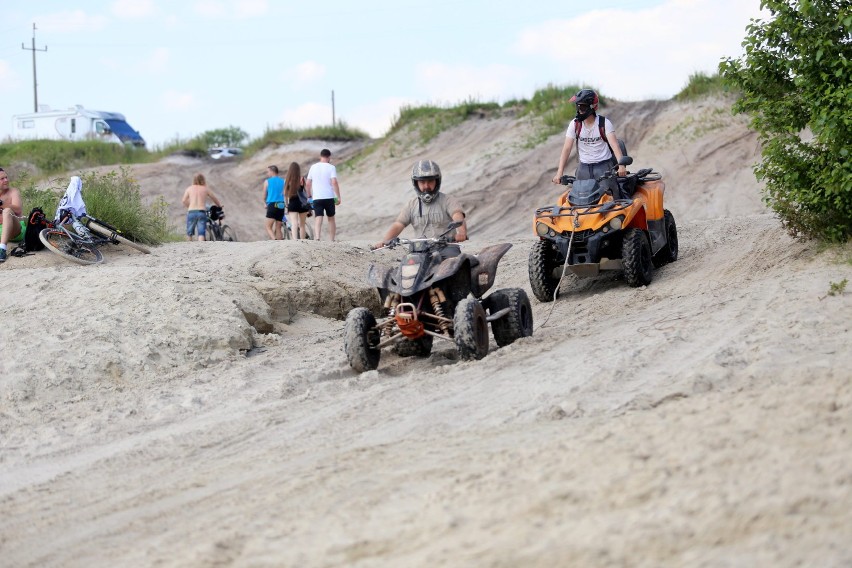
x,y
212,232
228,234
57,241
110,234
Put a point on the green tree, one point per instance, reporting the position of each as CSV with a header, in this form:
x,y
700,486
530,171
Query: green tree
x,y
795,80
231,136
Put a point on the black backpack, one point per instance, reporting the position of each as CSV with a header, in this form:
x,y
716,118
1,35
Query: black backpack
x,y
35,223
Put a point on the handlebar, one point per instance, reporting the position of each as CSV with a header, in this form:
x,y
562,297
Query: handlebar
x,y
569,180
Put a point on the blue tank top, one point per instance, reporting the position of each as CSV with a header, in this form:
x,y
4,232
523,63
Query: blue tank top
x,y
274,190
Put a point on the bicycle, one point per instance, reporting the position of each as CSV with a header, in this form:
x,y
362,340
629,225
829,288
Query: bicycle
x,y
215,228
82,245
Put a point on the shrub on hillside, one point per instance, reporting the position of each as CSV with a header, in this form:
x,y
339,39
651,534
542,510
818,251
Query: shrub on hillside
x,y
794,78
113,197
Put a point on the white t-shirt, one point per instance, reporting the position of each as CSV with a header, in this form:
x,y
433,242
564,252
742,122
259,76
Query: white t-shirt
x,y
591,148
321,175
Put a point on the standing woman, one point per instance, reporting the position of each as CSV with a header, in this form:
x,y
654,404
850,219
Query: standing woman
x,y
273,190
298,210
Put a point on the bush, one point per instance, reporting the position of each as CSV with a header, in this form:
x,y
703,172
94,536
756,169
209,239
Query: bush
x,y
794,78
701,85
112,197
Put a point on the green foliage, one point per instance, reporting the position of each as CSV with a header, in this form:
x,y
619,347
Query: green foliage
x,y
430,120
113,197
341,132
231,136
837,288
56,156
701,85
794,79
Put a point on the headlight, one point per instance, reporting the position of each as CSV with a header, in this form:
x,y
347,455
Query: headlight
x,y
541,229
615,224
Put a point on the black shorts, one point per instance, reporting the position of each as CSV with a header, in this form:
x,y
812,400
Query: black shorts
x,y
324,207
275,212
294,205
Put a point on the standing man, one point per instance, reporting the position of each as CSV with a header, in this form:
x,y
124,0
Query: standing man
x,y
273,191
195,200
325,191
12,226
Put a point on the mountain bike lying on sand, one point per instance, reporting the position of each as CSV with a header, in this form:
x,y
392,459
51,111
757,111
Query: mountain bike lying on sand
x,y
215,228
81,243
427,297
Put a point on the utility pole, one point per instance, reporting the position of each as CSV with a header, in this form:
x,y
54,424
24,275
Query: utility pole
x,y
35,82
333,122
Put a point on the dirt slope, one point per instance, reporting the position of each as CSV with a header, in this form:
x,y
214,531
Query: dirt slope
x,y
194,407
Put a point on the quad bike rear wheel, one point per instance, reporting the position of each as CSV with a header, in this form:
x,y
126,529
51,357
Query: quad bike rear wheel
x,y
421,347
668,253
470,329
515,324
360,338
542,262
636,258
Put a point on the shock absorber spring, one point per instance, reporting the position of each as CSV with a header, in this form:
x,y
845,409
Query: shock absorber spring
x,y
435,295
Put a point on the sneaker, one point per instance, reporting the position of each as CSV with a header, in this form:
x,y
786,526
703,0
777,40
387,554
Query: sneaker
x,y
2,255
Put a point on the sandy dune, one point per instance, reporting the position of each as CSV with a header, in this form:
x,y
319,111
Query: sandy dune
x,y
193,407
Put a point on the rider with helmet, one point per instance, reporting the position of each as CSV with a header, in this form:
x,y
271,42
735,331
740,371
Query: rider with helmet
x,y
597,156
430,211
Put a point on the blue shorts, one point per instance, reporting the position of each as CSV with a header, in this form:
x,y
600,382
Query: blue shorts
x,y
196,220
324,207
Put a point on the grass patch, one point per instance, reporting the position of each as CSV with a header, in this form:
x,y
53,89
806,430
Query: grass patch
x,y
341,132
113,197
50,157
429,120
701,85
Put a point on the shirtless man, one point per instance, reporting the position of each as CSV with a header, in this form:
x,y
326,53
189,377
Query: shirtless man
x,y
195,200
11,224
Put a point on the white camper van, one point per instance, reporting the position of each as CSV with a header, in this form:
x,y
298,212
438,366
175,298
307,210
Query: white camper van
x,y
75,123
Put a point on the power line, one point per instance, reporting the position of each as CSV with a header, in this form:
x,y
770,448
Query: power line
x,y
35,82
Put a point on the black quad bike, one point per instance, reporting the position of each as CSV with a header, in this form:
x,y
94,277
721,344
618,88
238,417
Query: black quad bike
x,y
427,297
605,224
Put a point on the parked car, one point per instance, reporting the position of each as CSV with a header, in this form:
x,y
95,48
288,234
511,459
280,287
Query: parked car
x,y
219,153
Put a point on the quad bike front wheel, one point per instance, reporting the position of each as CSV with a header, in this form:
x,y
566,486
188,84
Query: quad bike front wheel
x,y
515,324
542,261
470,329
636,258
668,253
360,338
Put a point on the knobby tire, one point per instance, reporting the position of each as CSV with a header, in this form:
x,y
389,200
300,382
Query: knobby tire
x,y
59,243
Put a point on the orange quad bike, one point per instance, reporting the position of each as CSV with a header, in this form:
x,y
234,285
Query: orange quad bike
x,y
604,224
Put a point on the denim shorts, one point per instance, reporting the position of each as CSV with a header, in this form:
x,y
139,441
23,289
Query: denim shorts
x,y
196,220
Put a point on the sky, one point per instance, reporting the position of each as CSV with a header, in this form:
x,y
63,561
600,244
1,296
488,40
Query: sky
x,y
177,69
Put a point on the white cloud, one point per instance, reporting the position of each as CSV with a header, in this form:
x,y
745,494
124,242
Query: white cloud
x,y
452,84
133,9
377,118
9,80
70,21
174,100
642,53
158,61
245,9
305,73
239,9
306,115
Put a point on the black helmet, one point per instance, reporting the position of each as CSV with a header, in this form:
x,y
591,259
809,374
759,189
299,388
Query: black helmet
x,y
426,169
585,97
